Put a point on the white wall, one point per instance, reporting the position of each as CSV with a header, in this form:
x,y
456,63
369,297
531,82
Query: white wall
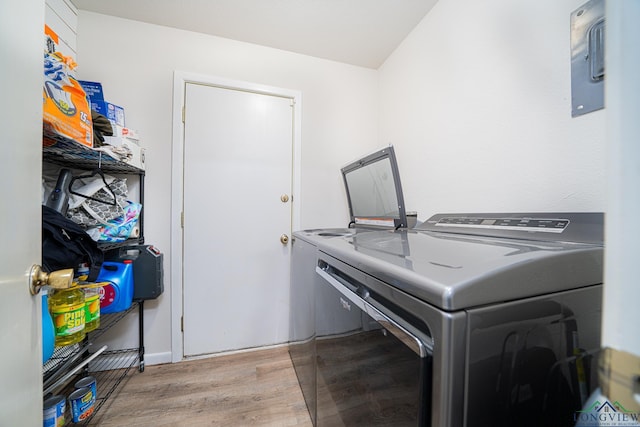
x,y
477,101
135,63
62,17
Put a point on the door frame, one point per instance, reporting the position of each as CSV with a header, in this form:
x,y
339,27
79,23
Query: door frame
x,y
180,80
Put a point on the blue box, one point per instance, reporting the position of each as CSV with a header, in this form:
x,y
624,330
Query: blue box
x,y
93,90
110,111
95,94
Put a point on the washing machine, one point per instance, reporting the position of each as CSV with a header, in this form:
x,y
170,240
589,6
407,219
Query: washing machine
x,y
376,203
467,320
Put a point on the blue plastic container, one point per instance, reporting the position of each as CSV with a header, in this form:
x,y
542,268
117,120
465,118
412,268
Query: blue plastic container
x,y
118,294
48,333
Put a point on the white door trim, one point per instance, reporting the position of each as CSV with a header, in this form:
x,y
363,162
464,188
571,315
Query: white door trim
x,y
180,79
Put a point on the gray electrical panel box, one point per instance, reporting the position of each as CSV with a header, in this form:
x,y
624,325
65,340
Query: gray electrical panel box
x,y
587,58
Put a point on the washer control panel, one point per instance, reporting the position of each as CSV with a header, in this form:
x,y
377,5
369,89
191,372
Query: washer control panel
x,y
578,227
553,225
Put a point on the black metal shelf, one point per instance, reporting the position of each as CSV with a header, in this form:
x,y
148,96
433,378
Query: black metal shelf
x,y
69,153
109,368
109,371
105,246
66,357
70,363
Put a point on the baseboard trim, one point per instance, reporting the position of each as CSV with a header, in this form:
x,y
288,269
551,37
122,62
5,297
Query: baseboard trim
x,y
165,357
239,351
157,358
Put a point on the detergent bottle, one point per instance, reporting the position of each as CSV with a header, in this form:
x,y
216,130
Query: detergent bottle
x,y
118,294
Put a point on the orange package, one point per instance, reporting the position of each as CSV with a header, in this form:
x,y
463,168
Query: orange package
x,y
66,109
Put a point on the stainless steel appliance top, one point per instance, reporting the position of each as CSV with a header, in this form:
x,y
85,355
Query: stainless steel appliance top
x,y
316,235
489,260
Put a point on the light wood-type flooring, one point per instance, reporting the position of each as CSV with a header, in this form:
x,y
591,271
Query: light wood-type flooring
x,y
256,388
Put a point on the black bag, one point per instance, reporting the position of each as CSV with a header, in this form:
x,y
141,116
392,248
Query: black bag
x,y
66,245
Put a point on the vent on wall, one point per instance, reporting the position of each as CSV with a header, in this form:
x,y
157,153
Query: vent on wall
x,y
587,58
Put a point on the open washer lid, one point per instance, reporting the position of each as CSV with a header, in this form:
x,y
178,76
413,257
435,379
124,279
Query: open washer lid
x,y
374,192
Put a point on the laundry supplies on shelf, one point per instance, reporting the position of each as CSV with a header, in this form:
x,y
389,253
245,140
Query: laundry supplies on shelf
x,y
118,294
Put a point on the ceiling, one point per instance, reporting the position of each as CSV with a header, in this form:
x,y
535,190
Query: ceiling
x,y
358,32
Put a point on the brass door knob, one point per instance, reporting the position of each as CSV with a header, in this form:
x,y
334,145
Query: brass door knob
x,y
60,279
284,239
284,198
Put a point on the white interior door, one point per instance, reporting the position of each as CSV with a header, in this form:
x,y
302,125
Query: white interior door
x,y
237,166
21,32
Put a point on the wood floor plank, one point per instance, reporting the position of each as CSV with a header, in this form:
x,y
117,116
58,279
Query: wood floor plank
x,y
256,388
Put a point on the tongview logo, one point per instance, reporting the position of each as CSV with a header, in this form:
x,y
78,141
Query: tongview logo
x,y
605,413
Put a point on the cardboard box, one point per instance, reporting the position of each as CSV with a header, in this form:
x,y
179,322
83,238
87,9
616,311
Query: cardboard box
x,y
125,150
93,90
124,132
111,111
